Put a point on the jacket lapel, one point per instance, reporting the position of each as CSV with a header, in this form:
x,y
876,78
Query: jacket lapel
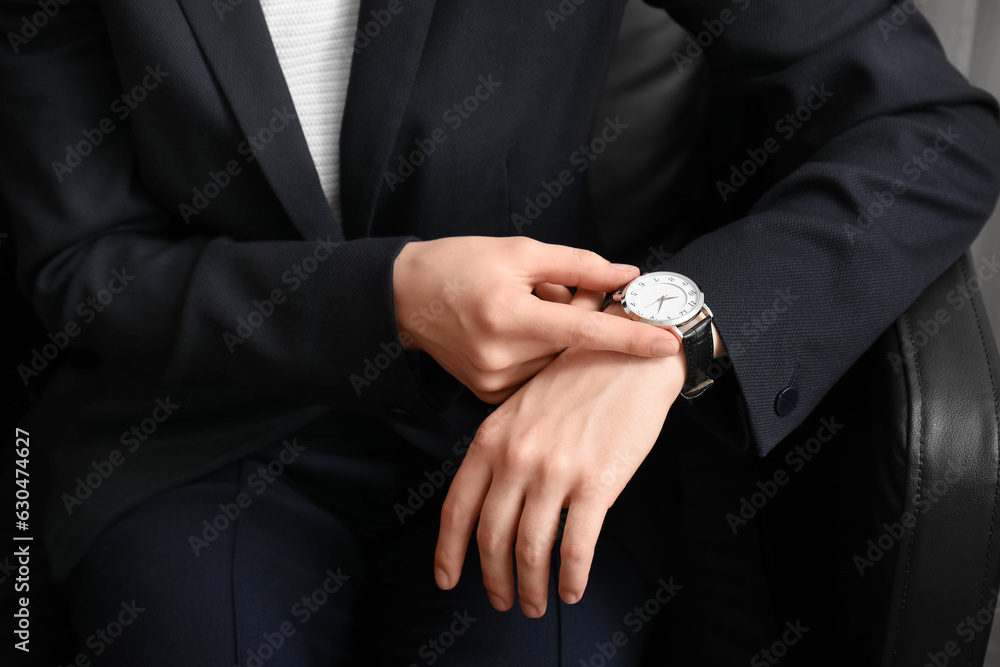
x,y
383,70
238,48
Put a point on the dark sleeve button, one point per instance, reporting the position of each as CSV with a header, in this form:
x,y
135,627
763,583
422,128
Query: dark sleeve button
x,y
786,402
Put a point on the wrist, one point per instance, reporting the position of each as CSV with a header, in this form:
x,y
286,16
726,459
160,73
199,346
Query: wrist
x,y
678,364
720,347
402,271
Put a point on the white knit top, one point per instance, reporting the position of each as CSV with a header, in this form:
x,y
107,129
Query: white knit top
x,y
314,40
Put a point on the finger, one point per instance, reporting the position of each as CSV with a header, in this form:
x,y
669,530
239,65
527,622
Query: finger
x,y
587,299
459,513
576,553
577,267
553,293
575,327
536,537
497,527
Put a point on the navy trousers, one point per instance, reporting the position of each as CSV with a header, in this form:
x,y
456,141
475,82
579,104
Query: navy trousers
x,y
310,553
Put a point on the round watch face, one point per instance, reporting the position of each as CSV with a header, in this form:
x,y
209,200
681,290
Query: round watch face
x,y
662,298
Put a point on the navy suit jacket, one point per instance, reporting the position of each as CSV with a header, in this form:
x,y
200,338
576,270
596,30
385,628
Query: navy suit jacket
x,y
168,216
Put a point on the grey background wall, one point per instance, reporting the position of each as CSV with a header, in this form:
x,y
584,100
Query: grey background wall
x,y
970,33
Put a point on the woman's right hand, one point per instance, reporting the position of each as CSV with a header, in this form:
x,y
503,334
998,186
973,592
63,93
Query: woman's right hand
x,y
468,302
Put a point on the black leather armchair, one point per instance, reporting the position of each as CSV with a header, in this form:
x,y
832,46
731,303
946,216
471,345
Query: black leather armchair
x,y
921,441
886,543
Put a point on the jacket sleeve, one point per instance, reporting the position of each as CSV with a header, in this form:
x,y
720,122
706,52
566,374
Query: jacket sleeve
x,y
864,165
108,268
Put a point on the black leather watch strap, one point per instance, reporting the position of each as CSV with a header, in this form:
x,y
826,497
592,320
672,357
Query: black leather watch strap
x,y
699,350
609,298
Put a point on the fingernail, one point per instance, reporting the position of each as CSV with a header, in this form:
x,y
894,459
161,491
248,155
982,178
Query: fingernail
x,y
664,348
570,598
442,578
531,611
498,603
624,267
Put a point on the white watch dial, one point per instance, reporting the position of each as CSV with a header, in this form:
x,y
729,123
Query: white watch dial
x,y
663,298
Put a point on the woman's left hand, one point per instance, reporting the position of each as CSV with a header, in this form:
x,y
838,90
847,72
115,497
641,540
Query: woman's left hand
x,y
572,437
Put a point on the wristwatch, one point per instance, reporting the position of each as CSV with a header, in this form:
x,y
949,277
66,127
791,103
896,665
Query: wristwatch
x,y
672,301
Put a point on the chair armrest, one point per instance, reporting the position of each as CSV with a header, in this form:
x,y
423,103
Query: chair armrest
x,y
917,444
946,446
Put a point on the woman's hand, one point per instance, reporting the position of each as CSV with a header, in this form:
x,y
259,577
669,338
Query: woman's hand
x,y
468,302
571,438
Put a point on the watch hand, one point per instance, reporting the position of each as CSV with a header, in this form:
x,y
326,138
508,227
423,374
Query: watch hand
x,y
660,300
